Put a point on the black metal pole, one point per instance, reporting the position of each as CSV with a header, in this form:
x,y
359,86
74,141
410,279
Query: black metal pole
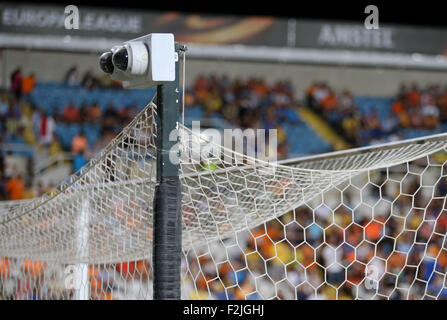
x,y
167,224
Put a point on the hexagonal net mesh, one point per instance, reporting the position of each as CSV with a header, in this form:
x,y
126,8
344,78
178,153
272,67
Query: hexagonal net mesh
x,y
368,223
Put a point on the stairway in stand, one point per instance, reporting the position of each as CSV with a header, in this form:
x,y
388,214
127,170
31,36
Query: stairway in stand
x,y
323,129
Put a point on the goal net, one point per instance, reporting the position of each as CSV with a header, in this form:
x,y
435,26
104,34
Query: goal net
x,y
368,223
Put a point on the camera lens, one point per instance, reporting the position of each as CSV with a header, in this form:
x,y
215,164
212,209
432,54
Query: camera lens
x,y
105,62
121,59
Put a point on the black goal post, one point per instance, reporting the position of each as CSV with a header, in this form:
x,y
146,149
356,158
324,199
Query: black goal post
x,y
167,217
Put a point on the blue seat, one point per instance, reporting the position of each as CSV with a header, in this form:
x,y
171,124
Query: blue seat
x,y
308,143
92,132
382,105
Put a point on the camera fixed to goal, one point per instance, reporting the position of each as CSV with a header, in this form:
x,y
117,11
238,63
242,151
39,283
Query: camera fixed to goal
x,y
143,62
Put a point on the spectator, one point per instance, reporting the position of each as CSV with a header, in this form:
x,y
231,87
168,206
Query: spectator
x,y
402,93
346,102
372,131
390,125
3,193
12,117
351,127
9,165
83,114
110,118
79,143
46,129
404,120
28,84
416,118
442,103
431,116
36,122
310,96
398,106
16,83
89,81
55,146
126,114
213,102
79,160
29,192
413,97
15,187
26,122
329,102
71,113
72,76
320,92
270,119
283,151
94,113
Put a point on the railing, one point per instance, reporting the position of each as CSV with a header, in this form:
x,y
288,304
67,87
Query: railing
x,y
51,161
32,152
17,149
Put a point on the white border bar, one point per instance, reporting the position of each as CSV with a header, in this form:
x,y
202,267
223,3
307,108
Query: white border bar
x,y
240,52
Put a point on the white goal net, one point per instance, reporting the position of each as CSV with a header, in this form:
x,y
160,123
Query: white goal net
x,y
368,223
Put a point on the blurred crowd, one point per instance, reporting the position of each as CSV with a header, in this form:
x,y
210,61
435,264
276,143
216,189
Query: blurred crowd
x,y
37,280
321,250
309,253
413,108
417,107
22,124
249,103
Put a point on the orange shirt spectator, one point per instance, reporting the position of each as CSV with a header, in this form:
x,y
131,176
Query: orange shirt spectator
x,y
126,269
261,89
329,102
15,188
4,267
28,84
397,107
203,95
373,231
34,267
94,112
414,99
79,144
201,84
396,261
71,113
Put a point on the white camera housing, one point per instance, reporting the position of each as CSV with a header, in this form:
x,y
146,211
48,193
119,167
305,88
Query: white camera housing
x,y
151,61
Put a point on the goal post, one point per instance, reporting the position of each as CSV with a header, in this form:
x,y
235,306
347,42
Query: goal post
x,y
82,290
167,219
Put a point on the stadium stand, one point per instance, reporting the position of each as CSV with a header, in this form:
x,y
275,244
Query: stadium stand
x,y
362,121
60,116
97,114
